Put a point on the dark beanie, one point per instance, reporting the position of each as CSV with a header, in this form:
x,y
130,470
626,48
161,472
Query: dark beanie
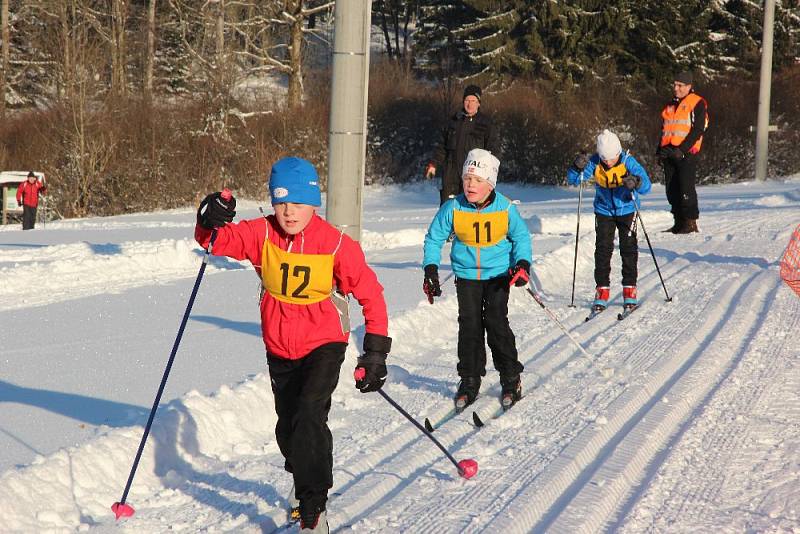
x,y
472,90
31,175
685,77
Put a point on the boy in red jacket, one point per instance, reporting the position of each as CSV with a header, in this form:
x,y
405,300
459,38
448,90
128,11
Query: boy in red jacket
x,y
306,266
28,197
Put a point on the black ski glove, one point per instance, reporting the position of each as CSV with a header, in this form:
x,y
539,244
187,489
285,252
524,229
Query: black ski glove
x,y
676,154
520,273
580,161
215,211
371,370
631,181
430,286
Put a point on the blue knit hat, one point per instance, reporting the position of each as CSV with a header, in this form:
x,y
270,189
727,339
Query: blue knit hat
x,y
294,180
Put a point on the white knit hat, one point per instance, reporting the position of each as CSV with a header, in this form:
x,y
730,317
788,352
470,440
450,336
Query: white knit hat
x,y
482,163
608,145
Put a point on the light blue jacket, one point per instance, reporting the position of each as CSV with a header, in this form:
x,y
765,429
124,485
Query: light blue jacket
x,y
478,263
611,197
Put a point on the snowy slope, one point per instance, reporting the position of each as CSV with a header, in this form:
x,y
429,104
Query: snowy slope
x,y
684,418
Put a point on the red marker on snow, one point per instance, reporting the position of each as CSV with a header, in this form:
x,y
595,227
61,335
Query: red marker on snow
x,y
121,509
467,468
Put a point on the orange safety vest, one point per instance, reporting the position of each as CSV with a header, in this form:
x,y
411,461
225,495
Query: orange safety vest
x,y
677,121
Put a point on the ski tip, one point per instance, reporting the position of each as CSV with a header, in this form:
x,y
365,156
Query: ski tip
x,y
428,425
620,317
121,509
467,468
477,420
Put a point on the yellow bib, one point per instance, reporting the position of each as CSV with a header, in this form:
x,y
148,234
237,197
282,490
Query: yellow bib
x,y
296,278
478,229
610,178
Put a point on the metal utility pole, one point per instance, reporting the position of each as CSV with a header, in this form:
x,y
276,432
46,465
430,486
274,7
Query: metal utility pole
x,y
347,145
765,86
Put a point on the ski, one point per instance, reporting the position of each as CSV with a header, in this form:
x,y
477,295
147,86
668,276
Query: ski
x,y
478,422
626,312
594,313
430,427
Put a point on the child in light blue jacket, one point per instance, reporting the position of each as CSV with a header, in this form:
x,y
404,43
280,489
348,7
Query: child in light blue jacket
x,y
619,180
491,251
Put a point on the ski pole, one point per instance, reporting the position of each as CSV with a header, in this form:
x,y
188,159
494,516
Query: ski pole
x,y
555,319
120,508
577,235
466,468
653,254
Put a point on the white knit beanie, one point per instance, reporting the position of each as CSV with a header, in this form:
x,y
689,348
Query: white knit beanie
x,y
482,163
608,145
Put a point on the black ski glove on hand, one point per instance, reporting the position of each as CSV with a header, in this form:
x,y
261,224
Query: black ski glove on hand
x,y
371,370
676,154
520,274
430,286
215,211
631,181
580,161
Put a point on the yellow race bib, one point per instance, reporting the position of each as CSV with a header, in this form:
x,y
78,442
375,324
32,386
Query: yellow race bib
x,y
610,178
296,278
478,229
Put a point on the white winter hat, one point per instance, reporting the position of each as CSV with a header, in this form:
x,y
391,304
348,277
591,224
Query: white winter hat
x,y
608,145
482,163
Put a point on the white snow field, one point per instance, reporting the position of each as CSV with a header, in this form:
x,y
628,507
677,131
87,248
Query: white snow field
x,y
685,418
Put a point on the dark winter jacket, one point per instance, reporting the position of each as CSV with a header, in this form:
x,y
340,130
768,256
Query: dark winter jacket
x,y
461,135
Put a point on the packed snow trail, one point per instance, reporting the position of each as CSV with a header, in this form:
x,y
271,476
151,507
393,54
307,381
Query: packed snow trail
x,y
683,417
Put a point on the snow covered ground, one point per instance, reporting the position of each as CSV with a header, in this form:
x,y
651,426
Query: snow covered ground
x,y
685,418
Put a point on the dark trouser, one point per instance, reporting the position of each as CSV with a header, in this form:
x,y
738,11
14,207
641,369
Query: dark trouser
x,y
302,390
604,246
680,185
28,217
483,305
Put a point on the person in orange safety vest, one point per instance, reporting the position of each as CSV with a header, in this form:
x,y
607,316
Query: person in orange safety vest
x,y
684,122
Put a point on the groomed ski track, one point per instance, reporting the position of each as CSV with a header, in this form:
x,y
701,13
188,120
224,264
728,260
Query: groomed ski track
x,y
654,432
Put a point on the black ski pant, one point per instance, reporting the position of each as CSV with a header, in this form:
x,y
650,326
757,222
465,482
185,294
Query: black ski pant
x,y
679,178
483,306
303,390
28,217
604,246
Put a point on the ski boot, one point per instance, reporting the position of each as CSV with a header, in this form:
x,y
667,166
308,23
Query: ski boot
x,y
467,392
629,294
313,520
294,506
600,299
512,391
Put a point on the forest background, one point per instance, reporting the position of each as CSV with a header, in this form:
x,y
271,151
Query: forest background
x,y
131,105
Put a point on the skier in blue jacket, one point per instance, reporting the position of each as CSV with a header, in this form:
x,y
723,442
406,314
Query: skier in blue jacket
x,y
619,180
491,251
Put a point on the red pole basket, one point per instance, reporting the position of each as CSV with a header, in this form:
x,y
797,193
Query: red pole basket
x,y
790,263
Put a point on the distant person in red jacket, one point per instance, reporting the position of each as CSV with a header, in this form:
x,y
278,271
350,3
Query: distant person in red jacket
x,y
28,197
307,267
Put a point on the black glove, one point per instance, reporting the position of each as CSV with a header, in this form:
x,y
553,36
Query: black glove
x,y
631,181
215,211
580,161
430,286
676,154
371,369
520,273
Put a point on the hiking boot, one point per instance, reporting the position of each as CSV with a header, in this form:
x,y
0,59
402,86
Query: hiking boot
x,y
677,223
317,524
629,294
689,226
467,391
512,391
600,298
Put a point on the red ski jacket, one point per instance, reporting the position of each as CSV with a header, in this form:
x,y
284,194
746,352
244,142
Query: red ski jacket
x,y
28,193
289,330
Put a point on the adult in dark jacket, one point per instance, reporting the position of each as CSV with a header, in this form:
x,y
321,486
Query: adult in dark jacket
x,y
28,197
467,129
684,121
